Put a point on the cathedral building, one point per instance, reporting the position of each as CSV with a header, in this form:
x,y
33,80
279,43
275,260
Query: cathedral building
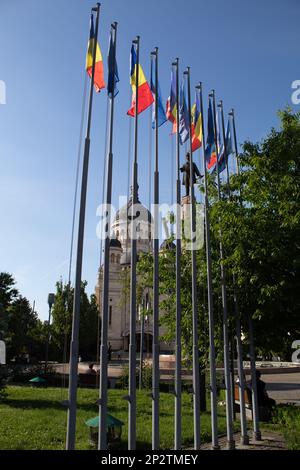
x,y
119,281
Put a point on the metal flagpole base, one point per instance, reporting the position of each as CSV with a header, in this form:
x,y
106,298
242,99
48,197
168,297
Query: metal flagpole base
x,y
257,435
215,447
230,445
245,440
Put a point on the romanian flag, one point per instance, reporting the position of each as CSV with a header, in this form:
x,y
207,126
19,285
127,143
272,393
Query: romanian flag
x,y
145,98
99,82
196,125
210,151
171,109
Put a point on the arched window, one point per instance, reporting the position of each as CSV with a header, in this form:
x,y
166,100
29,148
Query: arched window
x,y
112,258
118,257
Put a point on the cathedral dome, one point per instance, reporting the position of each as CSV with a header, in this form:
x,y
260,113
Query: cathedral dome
x,y
124,213
142,227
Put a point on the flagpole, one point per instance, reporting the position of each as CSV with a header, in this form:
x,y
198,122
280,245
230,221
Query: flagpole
x,y
155,348
229,417
177,434
212,353
71,420
244,434
243,419
228,394
132,345
102,444
235,141
256,430
256,427
232,370
196,368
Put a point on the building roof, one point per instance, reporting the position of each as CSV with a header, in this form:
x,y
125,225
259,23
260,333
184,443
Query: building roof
x,y
110,421
125,210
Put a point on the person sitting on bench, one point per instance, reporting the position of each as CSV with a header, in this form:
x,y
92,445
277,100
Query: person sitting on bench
x,y
91,369
262,395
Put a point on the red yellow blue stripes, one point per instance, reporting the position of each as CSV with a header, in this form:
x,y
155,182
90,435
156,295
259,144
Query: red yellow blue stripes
x,y
99,82
196,125
171,108
210,151
145,98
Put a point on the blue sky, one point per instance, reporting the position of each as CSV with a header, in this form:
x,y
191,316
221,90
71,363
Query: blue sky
x,y
247,51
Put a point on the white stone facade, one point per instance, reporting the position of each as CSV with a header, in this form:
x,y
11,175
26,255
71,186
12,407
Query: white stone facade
x,y
119,282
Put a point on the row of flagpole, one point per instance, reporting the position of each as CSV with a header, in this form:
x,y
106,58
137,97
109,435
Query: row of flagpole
x,y
113,78
229,417
244,434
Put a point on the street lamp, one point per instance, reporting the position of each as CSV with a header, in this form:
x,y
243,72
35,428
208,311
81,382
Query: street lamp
x,y
51,300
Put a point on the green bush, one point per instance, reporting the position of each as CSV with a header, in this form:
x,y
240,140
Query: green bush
x,y
22,374
3,380
287,417
147,377
123,382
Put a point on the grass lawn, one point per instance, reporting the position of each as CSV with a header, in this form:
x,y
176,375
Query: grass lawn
x,y
33,418
286,420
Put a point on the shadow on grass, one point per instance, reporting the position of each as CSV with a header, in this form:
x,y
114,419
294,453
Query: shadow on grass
x,y
44,404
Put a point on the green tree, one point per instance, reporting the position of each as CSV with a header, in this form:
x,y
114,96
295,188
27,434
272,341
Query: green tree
x,y
167,287
61,328
22,322
7,291
19,325
262,235
261,231
7,294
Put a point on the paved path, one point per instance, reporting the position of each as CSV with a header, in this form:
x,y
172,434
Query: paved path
x,y
284,388
270,441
